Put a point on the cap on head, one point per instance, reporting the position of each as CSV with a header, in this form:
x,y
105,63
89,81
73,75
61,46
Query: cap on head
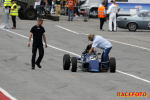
x,y
91,37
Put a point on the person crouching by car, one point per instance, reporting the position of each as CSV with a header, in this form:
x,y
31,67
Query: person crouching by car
x,y
102,43
14,13
71,4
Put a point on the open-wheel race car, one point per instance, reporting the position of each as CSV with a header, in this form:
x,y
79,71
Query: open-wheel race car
x,y
91,62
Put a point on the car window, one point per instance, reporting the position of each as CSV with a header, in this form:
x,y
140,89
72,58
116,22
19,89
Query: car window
x,y
146,14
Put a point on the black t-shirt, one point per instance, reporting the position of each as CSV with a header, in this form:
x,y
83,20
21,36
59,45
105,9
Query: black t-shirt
x,y
37,34
49,2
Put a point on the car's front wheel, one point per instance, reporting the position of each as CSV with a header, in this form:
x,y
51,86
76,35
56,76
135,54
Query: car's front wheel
x,y
74,64
112,65
66,62
132,26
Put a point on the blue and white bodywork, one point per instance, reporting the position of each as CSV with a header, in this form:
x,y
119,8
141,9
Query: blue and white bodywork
x,y
129,7
89,62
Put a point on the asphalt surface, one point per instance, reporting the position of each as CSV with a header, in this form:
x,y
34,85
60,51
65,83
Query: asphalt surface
x,y
52,82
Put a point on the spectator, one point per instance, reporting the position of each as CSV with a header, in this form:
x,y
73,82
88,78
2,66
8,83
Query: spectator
x,y
71,4
0,3
57,6
102,15
42,6
14,13
48,3
37,5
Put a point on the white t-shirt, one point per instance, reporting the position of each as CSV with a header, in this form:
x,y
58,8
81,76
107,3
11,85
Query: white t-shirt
x,y
38,3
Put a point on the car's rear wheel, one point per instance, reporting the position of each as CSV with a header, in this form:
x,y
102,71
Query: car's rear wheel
x,y
132,26
112,65
74,64
66,62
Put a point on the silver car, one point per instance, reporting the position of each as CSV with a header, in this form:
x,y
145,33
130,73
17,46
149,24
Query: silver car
x,y
140,20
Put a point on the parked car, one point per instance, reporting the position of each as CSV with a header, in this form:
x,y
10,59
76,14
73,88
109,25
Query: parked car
x,y
91,7
140,20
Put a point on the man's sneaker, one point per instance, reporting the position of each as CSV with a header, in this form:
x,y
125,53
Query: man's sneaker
x,y
39,66
101,30
13,27
76,16
81,15
68,20
33,68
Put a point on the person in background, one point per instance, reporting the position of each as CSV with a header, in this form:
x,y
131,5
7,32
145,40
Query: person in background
x,y
57,6
76,9
112,10
37,5
116,13
102,15
38,33
0,3
42,6
71,4
14,13
48,3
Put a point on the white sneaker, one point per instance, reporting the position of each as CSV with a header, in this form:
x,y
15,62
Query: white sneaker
x,y
2,27
81,16
76,16
1,24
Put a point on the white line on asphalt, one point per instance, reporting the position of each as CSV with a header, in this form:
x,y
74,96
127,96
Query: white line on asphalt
x,y
67,29
79,55
7,94
112,40
84,34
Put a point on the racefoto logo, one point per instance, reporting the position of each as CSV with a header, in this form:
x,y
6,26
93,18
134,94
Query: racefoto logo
x,y
131,94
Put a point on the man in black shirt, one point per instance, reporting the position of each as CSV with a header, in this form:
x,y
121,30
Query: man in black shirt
x,y
38,32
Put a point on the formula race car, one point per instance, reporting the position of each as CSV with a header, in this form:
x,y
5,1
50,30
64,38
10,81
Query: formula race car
x,y
91,62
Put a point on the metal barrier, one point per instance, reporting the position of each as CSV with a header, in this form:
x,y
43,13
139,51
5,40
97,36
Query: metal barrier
x,y
5,20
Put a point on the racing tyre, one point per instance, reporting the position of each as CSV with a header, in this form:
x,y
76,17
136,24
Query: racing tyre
x,y
112,65
30,13
20,13
74,64
66,62
132,26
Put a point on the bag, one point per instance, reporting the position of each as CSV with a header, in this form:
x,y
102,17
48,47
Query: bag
x,y
7,11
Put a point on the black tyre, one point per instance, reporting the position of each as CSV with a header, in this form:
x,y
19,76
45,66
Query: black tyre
x,y
132,26
108,61
66,62
74,64
93,13
30,13
112,65
20,13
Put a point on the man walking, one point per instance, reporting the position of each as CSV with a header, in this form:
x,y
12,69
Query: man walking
x,y
37,5
112,15
48,3
38,32
57,6
102,15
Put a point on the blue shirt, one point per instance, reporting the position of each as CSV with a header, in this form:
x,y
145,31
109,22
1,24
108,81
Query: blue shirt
x,y
101,42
